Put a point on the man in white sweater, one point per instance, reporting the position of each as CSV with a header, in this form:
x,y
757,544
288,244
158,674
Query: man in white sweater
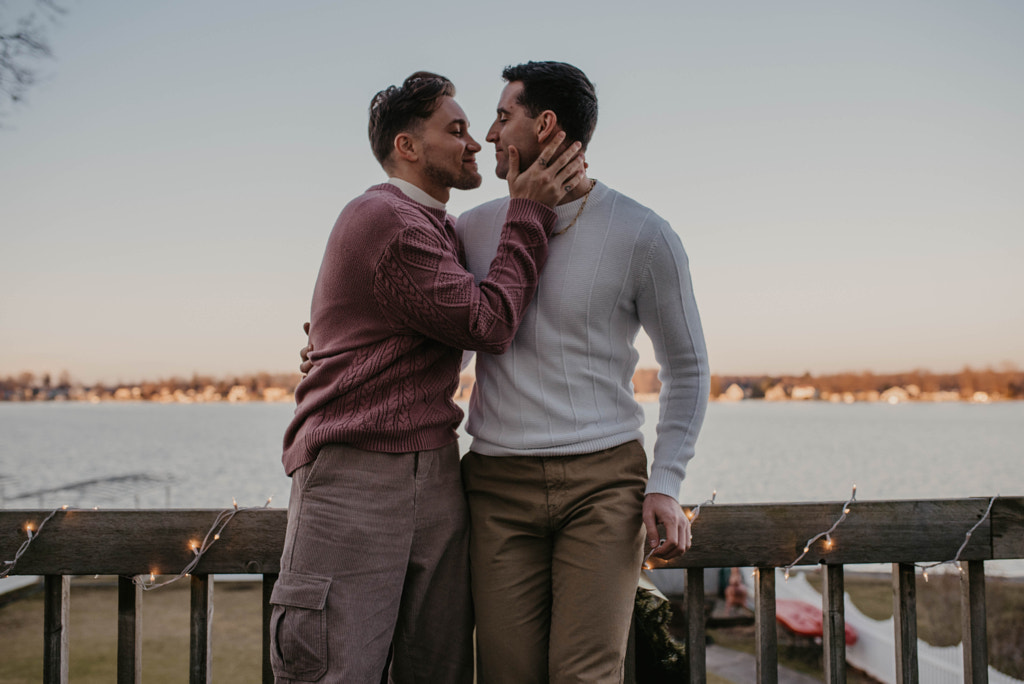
x,y
556,477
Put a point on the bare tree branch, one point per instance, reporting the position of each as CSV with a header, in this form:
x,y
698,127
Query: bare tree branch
x,y
22,45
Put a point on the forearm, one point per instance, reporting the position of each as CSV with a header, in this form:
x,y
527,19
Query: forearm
x,y
421,284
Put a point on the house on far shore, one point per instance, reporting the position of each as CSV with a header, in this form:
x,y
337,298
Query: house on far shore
x,y
894,395
733,393
804,393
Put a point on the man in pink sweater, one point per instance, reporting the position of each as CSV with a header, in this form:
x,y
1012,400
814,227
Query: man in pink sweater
x,y
375,556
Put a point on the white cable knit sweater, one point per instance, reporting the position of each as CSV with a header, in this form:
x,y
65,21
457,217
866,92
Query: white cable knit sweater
x,y
565,385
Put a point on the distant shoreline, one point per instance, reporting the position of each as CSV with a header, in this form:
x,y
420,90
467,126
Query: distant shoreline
x,y
972,386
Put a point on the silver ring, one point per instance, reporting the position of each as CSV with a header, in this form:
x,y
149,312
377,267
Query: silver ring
x,y
568,188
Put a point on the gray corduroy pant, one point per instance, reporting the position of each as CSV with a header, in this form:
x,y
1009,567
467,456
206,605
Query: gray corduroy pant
x,y
375,558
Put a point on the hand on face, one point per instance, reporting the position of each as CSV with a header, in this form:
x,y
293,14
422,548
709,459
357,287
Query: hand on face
x,y
548,180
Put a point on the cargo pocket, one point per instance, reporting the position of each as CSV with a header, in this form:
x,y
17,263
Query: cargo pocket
x,y
298,626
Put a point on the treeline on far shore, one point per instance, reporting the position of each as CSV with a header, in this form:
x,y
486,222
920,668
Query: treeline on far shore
x,y
28,386
918,385
985,385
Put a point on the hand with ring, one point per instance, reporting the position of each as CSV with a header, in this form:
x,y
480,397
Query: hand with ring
x,y
546,182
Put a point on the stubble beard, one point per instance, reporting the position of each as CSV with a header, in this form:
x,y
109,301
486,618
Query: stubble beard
x,y
463,179
466,179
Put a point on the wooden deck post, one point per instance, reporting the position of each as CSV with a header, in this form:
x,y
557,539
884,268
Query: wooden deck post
x,y
766,638
904,611
129,631
696,648
834,624
201,631
56,608
972,617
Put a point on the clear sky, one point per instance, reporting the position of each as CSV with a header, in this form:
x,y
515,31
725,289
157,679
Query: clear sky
x,y
847,177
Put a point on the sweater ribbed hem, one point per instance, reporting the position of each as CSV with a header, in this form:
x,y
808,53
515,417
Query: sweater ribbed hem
x,y
306,450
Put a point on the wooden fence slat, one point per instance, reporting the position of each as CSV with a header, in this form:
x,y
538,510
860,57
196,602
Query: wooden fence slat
x,y
834,624
972,616
766,637
201,631
696,647
268,587
904,610
129,631
56,608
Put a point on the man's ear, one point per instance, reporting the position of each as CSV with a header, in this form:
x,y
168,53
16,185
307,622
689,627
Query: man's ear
x,y
406,147
546,125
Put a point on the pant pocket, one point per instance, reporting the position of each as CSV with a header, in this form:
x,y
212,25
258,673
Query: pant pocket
x,y
298,626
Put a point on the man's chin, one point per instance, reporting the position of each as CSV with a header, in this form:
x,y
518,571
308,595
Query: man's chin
x,y
469,182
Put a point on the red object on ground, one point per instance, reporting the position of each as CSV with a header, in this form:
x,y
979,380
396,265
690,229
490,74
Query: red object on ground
x,y
803,618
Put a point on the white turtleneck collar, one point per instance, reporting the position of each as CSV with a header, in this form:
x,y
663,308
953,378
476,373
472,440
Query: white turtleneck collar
x,y
416,194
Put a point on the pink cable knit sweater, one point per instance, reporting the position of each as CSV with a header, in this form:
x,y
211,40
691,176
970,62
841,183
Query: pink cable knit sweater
x,y
392,310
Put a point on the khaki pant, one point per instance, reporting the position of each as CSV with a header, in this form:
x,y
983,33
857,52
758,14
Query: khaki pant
x,y
375,558
555,550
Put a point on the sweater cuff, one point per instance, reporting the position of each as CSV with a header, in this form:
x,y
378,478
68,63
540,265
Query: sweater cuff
x,y
523,210
664,482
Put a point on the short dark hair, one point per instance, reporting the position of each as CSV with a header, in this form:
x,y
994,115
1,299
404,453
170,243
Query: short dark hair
x,y
400,109
563,89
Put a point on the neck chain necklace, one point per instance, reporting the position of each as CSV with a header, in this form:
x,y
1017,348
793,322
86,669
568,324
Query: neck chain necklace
x,y
578,211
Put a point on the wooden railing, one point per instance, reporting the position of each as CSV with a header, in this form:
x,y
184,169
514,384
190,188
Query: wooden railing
x,y
136,543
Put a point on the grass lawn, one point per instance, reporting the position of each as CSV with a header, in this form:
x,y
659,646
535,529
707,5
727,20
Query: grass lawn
x,y
165,634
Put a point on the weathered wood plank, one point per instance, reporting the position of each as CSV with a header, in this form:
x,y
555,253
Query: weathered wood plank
x,y
201,631
129,631
56,609
972,615
1008,528
140,542
766,636
874,532
904,597
833,601
268,587
696,646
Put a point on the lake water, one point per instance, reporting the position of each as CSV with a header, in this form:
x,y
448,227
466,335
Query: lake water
x,y
203,455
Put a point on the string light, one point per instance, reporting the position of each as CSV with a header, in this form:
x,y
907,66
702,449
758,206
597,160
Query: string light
x,y
692,514
224,517
198,550
32,532
827,534
967,538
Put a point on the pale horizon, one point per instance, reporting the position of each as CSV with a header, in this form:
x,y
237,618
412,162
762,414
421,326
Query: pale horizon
x,y
846,179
